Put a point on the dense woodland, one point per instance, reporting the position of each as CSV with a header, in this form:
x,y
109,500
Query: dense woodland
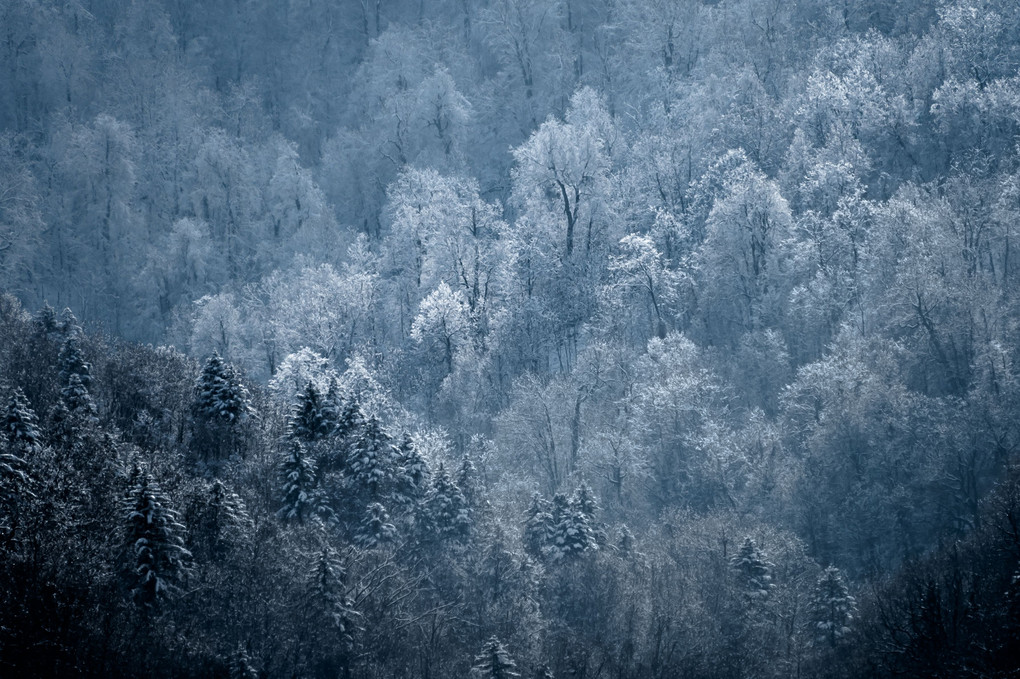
x,y
541,338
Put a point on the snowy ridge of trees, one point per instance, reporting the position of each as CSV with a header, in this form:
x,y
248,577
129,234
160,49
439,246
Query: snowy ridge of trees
x,y
601,338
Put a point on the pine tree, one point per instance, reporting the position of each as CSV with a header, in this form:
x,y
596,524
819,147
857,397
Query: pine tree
x,y
220,397
328,594
157,562
72,362
241,665
375,529
15,488
350,422
77,399
538,527
45,320
411,473
310,418
832,607
753,571
300,496
572,535
220,521
444,515
494,662
20,424
584,501
68,323
371,462
543,672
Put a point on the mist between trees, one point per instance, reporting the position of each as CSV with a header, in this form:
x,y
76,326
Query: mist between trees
x,y
541,338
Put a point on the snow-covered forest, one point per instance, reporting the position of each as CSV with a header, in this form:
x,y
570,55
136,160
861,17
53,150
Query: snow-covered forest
x,y
603,339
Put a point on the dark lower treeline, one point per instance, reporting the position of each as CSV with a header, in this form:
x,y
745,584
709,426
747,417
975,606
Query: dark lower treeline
x,y
161,518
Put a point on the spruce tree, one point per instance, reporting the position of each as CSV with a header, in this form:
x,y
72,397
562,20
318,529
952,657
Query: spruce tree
x,y
832,608
371,462
157,561
345,435
310,419
572,535
327,589
444,515
219,522
375,528
538,527
20,424
411,473
68,323
300,495
72,362
76,397
753,571
220,397
494,662
241,666
45,320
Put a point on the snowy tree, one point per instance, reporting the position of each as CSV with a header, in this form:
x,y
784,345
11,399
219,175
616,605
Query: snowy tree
x,y
444,515
220,397
469,482
411,471
494,662
241,664
311,417
157,563
219,522
46,321
375,528
572,534
326,581
832,608
20,423
538,527
754,573
77,399
300,496
72,362
370,466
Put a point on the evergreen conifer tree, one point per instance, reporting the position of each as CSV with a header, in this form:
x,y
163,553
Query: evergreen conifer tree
x,y
68,323
371,461
220,521
328,594
494,662
310,418
241,666
445,514
832,608
20,424
72,362
45,320
300,495
538,527
753,571
375,528
157,561
76,397
411,473
572,535
220,397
